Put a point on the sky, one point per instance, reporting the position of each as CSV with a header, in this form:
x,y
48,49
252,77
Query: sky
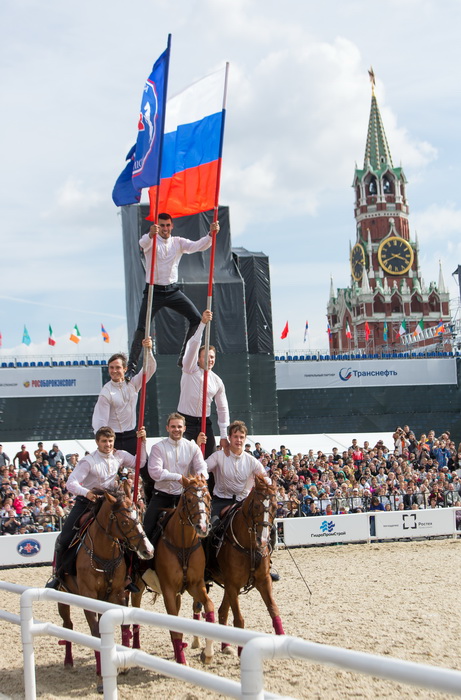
x,y
72,75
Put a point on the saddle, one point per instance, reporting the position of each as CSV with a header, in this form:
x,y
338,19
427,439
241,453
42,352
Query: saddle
x,y
215,539
70,555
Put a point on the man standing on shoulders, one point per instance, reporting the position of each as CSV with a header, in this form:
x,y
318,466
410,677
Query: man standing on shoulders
x,y
191,396
170,249
116,406
234,473
170,461
97,470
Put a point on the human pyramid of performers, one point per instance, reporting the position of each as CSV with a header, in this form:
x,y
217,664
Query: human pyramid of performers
x,y
177,466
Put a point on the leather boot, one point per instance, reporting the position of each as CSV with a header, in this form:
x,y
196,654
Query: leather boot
x,y
135,351
58,552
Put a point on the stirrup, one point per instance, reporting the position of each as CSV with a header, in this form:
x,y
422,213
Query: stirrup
x,y
131,587
53,583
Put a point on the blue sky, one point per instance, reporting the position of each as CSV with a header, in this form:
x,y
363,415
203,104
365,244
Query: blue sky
x,y
299,97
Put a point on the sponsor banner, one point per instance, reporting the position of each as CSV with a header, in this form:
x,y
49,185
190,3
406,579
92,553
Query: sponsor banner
x,y
28,549
415,523
363,373
27,382
325,529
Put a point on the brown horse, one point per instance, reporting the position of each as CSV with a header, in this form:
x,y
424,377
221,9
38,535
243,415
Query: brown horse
x,y
179,560
243,559
100,562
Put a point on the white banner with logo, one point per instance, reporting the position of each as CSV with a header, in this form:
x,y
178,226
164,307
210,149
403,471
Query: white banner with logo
x,y
28,549
362,373
324,529
50,381
415,523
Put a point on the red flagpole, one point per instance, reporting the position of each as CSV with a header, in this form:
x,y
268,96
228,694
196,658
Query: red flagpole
x,y
212,259
150,297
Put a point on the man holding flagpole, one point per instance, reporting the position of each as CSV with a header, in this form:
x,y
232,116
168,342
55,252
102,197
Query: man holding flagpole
x,y
190,398
170,249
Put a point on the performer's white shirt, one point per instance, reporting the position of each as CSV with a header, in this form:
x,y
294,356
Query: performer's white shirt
x,y
116,404
234,475
99,470
169,460
168,254
191,396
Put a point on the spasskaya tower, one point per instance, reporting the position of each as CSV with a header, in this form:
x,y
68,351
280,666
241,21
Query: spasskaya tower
x,y
387,302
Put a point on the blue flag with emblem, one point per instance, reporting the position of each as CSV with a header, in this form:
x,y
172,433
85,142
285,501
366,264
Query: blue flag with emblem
x,y
124,191
146,164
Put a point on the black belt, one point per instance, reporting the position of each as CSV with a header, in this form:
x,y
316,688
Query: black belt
x,y
197,420
165,287
127,434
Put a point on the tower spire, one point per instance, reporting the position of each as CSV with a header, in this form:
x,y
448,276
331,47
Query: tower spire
x,y
377,151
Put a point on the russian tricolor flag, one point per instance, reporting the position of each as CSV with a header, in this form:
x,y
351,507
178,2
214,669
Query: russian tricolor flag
x,y
192,148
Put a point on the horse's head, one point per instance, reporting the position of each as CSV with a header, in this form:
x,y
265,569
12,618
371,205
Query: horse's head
x,y
195,505
125,524
260,509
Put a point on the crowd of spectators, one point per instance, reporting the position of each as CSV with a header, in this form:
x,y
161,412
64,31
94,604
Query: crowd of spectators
x,y
33,493
409,474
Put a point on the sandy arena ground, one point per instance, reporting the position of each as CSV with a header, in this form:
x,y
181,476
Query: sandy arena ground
x,y
395,599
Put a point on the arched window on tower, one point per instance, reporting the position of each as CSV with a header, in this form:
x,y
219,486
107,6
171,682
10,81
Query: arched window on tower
x,y
378,304
396,303
388,184
357,195
416,304
372,186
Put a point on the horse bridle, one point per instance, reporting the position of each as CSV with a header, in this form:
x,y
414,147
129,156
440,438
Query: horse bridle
x,y
126,537
253,524
199,499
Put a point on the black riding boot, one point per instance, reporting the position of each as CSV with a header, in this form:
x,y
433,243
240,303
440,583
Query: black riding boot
x,y
58,553
135,351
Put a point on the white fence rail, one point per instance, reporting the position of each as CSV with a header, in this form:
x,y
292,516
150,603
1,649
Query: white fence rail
x,y
257,647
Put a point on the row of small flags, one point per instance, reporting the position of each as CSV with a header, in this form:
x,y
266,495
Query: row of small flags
x,y
75,336
419,330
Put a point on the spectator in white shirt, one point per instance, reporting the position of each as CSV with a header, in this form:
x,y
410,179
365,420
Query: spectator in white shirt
x,y
170,249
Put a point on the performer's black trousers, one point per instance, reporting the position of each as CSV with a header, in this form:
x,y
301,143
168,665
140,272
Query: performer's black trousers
x,y
159,501
67,533
171,297
193,428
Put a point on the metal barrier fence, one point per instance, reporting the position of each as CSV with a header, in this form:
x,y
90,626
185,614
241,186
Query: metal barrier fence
x,y
257,647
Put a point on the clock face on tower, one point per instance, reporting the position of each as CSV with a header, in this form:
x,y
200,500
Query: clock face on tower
x,y
395,255
357,261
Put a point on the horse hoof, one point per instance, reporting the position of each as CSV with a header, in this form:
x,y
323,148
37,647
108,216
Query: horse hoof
x,y
69,665
123,671
100,688
195,643
205,659
229,651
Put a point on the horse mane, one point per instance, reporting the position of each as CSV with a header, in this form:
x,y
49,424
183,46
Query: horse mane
x,y
262,485
115,491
